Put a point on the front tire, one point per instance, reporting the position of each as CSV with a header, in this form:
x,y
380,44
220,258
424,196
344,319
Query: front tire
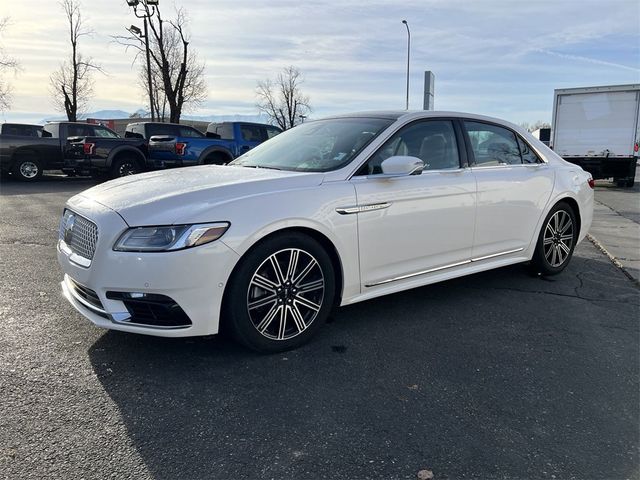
x,y
556,241
280,294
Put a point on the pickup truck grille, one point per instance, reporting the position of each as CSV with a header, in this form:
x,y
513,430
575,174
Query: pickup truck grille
x,y
79,233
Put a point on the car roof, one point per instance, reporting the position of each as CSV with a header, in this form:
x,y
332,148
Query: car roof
x,y
408,115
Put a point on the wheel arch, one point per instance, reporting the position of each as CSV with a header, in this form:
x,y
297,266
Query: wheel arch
x,y
123,151
565,197
319,237
213,151
574,206
24,152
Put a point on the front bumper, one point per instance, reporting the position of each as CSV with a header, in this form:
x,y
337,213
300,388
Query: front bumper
x,y
194,279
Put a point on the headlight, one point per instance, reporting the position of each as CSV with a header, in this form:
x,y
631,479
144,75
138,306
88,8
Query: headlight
x,y
168,238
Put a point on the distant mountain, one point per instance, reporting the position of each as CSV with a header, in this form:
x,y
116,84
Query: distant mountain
x,y
118,114
106,114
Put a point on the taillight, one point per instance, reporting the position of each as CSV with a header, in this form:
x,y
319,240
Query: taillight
x,y
180,148
87,148
635,147
591,182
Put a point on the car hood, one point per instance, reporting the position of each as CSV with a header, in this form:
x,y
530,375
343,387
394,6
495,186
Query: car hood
x,y
186,195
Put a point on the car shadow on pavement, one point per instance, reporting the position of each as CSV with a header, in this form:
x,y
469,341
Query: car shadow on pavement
x,y
495,375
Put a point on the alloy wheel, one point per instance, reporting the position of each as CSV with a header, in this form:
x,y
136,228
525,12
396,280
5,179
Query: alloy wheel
x,y
29,170
127,168
285,294
557,241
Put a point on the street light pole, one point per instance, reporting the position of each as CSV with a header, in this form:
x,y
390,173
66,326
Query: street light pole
x,y
408,56
146,46
148,13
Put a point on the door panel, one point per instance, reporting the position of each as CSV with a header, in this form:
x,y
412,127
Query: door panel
x,y
511,200
513,189
427,224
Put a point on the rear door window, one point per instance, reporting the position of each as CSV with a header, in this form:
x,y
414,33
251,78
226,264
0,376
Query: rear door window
x,y
75,130
251,133
190,132
528,155
272,132
492,145
104,132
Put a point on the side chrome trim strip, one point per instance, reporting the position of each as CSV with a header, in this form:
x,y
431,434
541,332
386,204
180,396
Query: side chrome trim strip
x,y
437,269
423,272
363,208
486,257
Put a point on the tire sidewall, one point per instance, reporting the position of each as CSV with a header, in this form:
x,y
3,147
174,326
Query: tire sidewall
x,y
115,169
18,167
235,314
540,262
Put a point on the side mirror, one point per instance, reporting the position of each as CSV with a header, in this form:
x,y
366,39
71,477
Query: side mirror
x,y
401,165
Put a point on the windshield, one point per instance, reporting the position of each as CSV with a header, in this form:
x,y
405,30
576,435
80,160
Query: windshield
x,y
318,146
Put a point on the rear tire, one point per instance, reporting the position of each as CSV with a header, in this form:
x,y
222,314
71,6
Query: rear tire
x,y
624,182
125,166
280,294
27,169
556,241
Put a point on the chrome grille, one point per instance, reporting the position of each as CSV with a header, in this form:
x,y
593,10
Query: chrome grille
x,y
80,234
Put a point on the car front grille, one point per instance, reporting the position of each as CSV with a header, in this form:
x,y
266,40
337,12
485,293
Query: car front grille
x,y
79,233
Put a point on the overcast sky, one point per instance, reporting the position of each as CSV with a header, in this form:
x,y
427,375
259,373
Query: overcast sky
x,y
500,58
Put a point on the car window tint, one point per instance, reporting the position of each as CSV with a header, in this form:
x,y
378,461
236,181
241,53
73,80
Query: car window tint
x,y
162,129
103,132
528,155
251,133
272,132
493,145
78,131
432,141
224,130
190,132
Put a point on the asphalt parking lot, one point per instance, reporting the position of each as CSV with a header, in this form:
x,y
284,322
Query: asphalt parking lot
x,y
497,375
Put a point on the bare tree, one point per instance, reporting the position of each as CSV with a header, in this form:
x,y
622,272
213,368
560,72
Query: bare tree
x,y
7,63
532,127
282,100
72,83
177,77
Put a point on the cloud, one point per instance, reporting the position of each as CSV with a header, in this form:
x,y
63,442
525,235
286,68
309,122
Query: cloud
x,y
595,61
494,57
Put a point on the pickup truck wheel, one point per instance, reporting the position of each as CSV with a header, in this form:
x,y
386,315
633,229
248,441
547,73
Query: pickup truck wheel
x,y
27,169
216,159
125,166
624,182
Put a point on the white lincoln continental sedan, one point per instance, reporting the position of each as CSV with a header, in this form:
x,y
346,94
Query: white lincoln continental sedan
x,y
331,212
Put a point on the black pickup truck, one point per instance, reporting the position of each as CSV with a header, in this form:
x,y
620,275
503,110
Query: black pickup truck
x,y
27,150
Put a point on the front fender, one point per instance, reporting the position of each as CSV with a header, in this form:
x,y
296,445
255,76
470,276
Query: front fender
x,y
254,218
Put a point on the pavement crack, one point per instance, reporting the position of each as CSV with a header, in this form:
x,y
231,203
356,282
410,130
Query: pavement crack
x,y
26,244
556,294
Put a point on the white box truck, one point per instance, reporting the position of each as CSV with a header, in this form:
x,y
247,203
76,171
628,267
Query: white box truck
x,y
598,129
